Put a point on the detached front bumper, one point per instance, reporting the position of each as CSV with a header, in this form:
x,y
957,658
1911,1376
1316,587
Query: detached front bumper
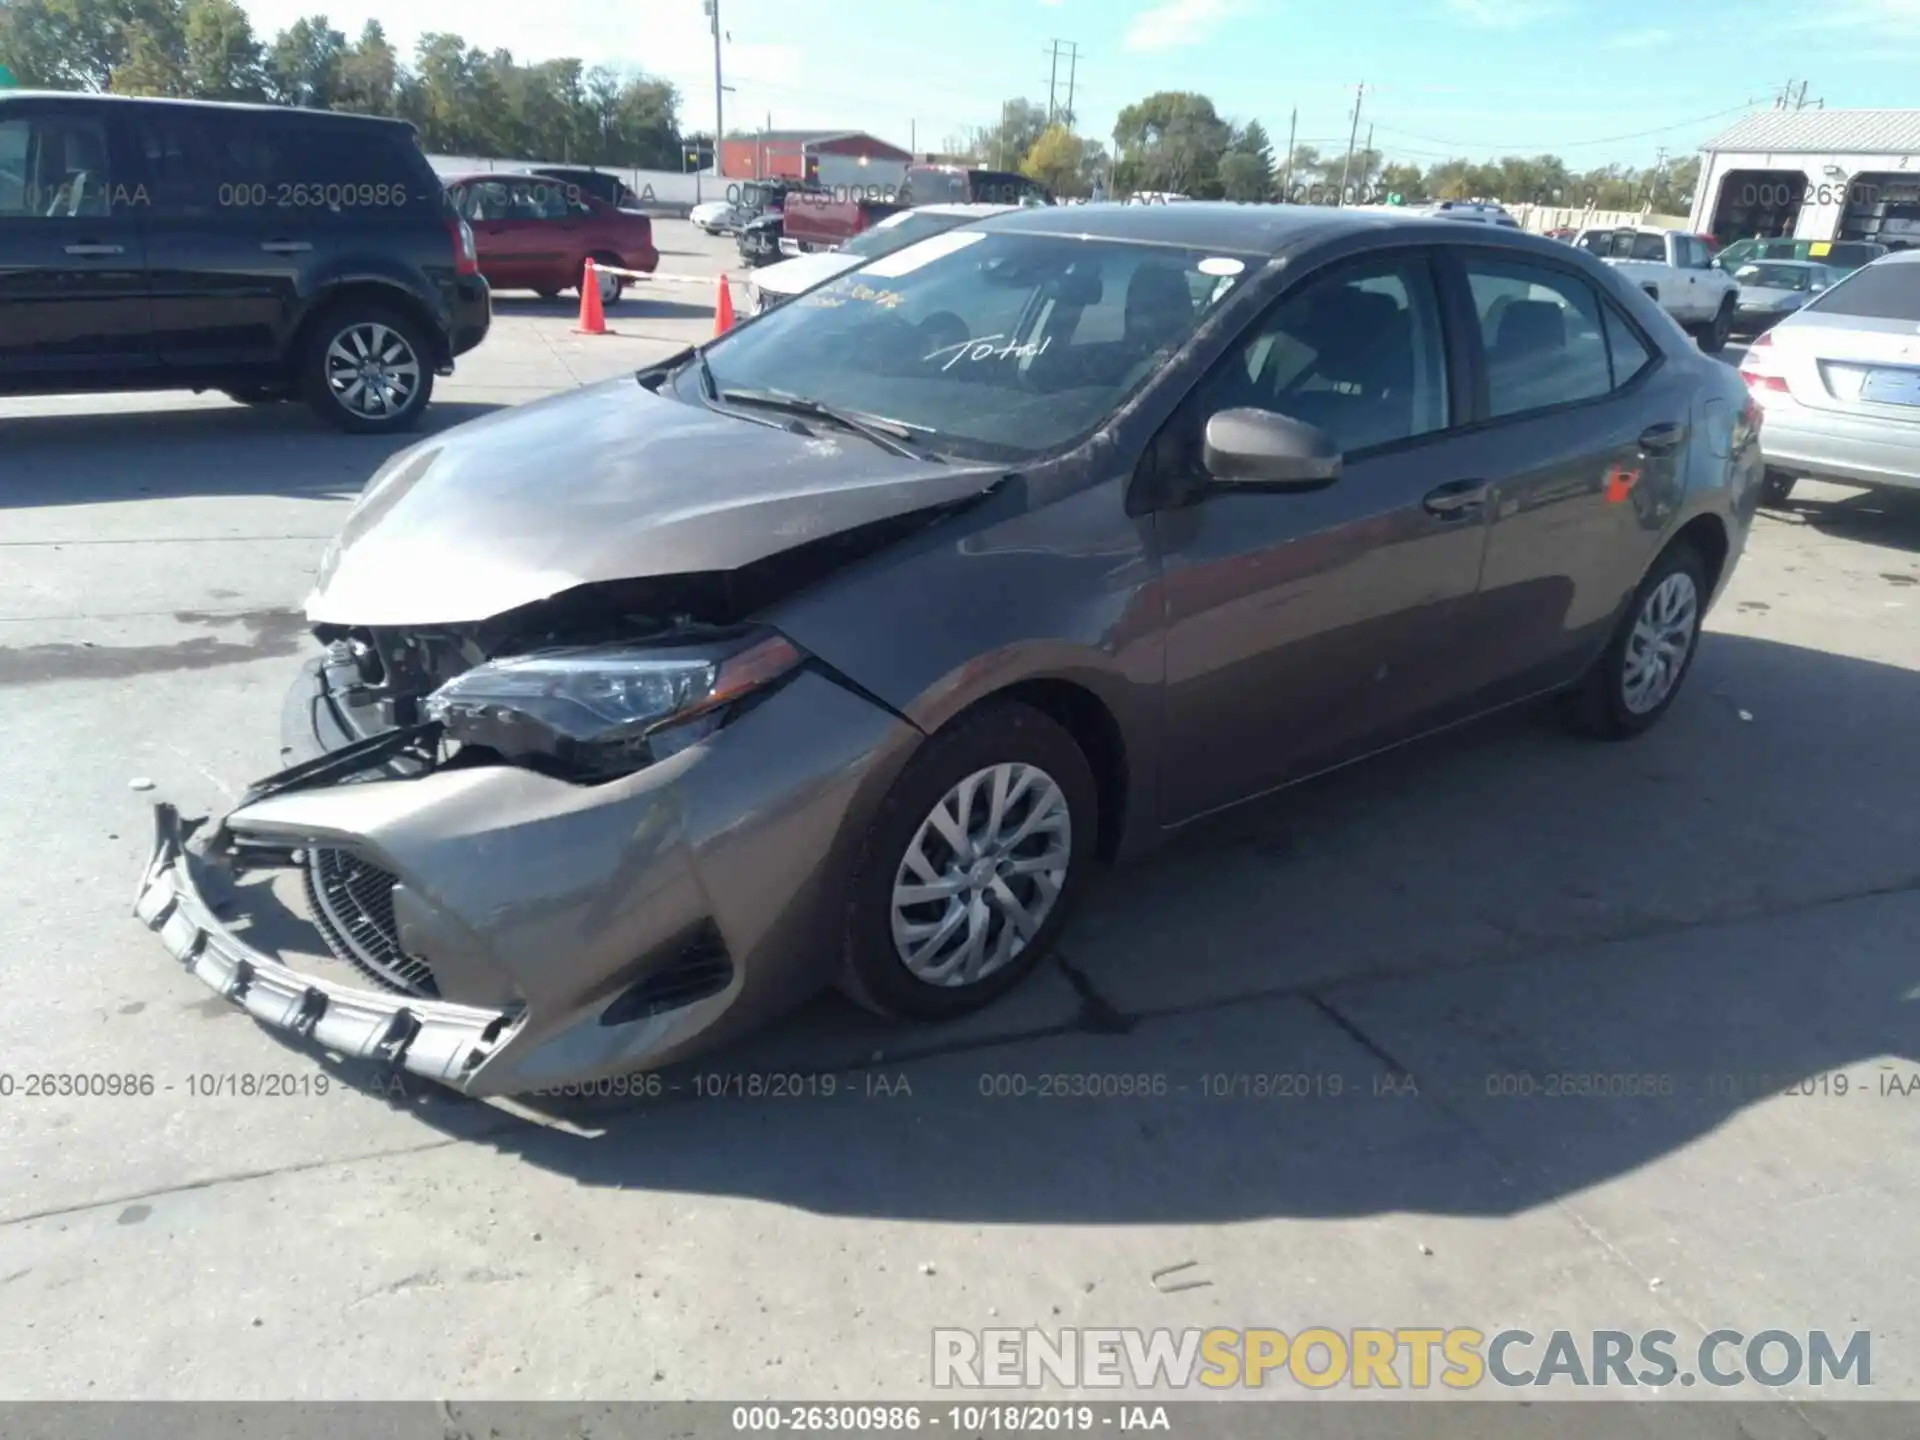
x,y
567,933
439,1041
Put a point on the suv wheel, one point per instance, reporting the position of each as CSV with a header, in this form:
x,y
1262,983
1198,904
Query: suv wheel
x,y
612,287
1775,489
972,864
365,370
1643,667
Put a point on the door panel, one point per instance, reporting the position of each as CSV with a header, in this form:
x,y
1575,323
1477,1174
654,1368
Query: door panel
x,y
226,244
1303,626
73,283
1573,390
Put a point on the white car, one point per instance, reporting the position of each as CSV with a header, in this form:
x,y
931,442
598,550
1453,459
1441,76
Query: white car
x,y
716,217
1839,381
1677,270
778,283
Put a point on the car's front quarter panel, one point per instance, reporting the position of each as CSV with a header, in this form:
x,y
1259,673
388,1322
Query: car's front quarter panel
x,y
1002,595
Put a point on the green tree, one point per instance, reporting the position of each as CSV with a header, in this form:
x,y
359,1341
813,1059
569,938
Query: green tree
x,y
303,67
221,59
1058,161
148,65
1406,181
1005,143
1246,170
1174,141
369,73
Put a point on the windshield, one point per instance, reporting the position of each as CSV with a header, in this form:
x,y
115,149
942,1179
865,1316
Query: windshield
x,y
989,344
897,233
1776,277
1875,292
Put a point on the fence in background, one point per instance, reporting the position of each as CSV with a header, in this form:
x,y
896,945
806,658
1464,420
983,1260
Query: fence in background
x,y
663,191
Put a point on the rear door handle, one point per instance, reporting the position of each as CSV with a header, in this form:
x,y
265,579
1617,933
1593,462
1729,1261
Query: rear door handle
x,y
1662,439
1459,497
96,249
285,247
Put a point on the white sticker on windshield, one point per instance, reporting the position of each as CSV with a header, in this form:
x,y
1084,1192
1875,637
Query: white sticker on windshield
x,y
1221,265
924,252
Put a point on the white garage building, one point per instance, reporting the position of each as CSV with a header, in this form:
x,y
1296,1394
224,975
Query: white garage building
x,y
1813,174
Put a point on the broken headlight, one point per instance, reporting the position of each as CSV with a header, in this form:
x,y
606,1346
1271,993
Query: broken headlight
x,y
593,712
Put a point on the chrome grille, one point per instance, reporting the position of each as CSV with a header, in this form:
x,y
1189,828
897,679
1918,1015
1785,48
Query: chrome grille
x,y
352,905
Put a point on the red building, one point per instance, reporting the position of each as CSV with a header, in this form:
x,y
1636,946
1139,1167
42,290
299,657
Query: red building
x,y
798,154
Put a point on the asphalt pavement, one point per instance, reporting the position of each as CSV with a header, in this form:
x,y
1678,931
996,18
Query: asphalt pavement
x,y
1328,999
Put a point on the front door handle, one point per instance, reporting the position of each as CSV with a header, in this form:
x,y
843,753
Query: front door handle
x,y
1662,439
285,247
96,249
1460,497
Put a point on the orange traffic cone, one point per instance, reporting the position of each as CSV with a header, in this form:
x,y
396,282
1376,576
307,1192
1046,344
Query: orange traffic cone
x,y
593,320
723,311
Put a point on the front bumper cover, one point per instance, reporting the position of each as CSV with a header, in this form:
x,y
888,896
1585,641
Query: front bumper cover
x,y
433,1039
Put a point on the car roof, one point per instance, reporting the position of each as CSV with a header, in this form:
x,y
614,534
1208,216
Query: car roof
x,y
973,211
345,117
1246,229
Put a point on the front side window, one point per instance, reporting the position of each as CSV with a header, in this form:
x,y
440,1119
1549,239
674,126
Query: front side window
x,y
1650,247
54,166
1357,353
994,344
1541,333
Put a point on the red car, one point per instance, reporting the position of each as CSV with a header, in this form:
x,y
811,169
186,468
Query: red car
x,y
535,233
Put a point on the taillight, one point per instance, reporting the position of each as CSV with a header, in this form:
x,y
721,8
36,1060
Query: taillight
x,y
466,258
1760,370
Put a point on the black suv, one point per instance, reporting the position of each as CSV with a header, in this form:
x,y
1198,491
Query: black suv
x,y
268,253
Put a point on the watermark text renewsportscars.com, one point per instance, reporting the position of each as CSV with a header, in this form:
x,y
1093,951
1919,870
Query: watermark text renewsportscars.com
x,y
1397,1358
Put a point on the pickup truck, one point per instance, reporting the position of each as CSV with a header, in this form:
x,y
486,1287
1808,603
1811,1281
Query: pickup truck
x,y
1676,269
827,221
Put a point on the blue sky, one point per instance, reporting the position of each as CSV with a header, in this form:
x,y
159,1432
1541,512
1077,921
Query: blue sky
x,y
1593,82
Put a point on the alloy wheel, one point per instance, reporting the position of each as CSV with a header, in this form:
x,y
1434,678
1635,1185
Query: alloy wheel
x,y
1661,640
981,874
371,370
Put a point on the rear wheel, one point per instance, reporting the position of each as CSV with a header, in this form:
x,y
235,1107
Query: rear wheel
x,y
972,864
1644,665
612,287
366,370
1714,338
1775,489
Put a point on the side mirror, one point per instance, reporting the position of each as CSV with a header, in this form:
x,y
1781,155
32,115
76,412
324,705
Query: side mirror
x,y
1260,447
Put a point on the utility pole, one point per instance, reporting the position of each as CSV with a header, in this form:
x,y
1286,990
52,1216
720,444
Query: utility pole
x,y
719,120
1073,67
1353,135
1286,180
1366,159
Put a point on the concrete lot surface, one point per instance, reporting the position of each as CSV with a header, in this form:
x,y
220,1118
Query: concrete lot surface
x,y
1730,905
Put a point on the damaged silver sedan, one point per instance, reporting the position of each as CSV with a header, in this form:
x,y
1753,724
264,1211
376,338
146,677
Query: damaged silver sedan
x,y
838,650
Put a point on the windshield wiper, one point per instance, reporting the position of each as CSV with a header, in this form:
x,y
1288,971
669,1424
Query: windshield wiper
x,y
880,432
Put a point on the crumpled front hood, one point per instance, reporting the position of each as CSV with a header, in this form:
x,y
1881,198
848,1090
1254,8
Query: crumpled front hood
x,y
611,482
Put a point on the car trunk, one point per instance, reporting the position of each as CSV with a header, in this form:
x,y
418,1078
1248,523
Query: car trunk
x,y
1850,364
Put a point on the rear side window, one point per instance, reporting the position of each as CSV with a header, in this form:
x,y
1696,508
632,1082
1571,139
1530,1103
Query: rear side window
x,y
352,166
1650,247
1627,353
1541,332
55,166
1880,291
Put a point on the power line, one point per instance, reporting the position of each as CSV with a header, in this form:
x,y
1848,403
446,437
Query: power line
x,y
1569,144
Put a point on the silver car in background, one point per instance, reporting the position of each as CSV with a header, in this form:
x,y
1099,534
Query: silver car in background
x,y
1839,381
1771,290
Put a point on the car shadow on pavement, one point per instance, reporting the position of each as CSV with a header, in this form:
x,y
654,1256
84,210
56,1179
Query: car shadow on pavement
x,y
1889,519
213,449
1480,974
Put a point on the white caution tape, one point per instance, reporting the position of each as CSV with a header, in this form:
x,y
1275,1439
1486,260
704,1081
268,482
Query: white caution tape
x,y
707,280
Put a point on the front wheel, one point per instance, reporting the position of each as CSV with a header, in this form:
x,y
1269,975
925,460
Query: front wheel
x,y
1775,489
1643,667
366,371
972,864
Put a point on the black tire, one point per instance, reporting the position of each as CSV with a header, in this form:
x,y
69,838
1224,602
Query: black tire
x,y
1713,339
314,369
1598,706
872,971
548,294
1776,489
256,395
